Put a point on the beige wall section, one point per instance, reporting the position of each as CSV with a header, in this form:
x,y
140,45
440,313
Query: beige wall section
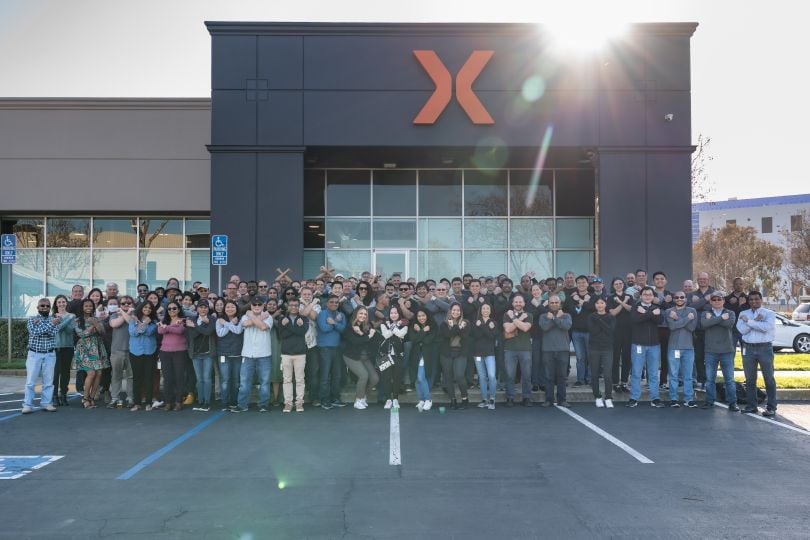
x,y
90,155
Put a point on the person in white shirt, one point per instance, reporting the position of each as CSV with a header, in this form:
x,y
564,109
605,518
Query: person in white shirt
x,y
758,326
256,353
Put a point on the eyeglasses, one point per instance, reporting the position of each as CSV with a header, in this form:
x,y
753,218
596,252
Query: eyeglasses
x,y
362,288
143,290
679,297
716,299
262,286
172,309
441,290
403,289
126,303
45,305
257,304
432,289
290,293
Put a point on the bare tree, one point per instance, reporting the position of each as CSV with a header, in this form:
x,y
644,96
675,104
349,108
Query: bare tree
x,y
797,256
702,188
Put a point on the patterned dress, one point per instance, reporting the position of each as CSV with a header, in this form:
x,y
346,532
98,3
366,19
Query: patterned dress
x,y
90,353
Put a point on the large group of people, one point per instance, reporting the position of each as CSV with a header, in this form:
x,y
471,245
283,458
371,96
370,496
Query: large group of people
x,y
303,341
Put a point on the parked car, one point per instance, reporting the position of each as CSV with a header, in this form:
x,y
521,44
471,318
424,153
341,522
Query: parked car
x,y
791,334
801,313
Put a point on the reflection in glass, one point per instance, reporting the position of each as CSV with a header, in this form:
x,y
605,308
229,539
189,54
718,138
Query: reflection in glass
x,y
394,233
198,233
439,264
115,233
485,193
313,260
541,203
575,233
117,265
440,193
394,193
64,232
348,233
66,268
579,262
30,232
349,262
198,266
313,192
158,265
314,235
156,232
522,262
484,263
485,233
440,233
575,192
348,193
530,233
26,283
386,264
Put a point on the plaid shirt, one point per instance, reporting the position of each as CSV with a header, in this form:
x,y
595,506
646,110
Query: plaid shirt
x,y
41,336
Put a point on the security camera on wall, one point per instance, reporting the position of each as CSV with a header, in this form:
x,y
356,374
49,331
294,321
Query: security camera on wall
x,y
669,117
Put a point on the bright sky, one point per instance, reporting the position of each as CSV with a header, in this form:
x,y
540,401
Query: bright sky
x,y
749,81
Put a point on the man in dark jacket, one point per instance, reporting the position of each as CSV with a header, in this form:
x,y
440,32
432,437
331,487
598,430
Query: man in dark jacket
x,y
645,349
292,331
717,323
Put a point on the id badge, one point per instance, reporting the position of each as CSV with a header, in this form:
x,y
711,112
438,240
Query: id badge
x,y
221,359
677,354
158,365
638,349
743,351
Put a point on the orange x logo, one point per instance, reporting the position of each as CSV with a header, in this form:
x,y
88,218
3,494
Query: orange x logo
x,y
465,96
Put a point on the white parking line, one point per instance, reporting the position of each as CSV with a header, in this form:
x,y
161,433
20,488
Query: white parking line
x,y
394,453
602,433
768,420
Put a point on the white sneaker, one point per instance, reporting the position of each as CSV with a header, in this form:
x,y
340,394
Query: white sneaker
x,y
599,403
27,410
358,404
420,405
365,402
387,404
428,404
156,404
609,403
396,404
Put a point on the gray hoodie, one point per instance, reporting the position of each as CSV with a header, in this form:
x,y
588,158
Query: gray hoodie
x,y
555,332
682,329
718,331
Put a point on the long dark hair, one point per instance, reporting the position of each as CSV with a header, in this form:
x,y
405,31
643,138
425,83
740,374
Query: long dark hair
x,y
167,318
80,320
427,314
367,298
139,310
101,294
234,304
58,296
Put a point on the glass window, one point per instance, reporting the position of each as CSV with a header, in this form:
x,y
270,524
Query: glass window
x,y
767,225
484,233
161,232
118,265
485,193
198,233
313,192
29,232
394,233
575,193
440,193
530,196
484,263
394,193
314,235
115,233
579,262
67,233
575,233
440,233
349,262
796,223
348,193
66,268
313,260
531,233
158,265
198,266
522,262
348,233
439,264
26,283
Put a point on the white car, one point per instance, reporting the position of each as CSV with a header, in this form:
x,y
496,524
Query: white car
x,y
801,313
790,334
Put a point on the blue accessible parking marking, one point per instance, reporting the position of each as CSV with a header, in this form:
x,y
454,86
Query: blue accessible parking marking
x,y
14,467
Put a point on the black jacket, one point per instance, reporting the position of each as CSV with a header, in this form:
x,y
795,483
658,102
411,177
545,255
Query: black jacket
x,y
292,336
483,338
355,345
644,326
447,334
601,329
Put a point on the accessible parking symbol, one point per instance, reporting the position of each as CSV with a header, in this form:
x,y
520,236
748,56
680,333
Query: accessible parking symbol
x,y
14,467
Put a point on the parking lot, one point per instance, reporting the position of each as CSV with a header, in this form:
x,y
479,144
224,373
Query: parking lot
x,y
508,473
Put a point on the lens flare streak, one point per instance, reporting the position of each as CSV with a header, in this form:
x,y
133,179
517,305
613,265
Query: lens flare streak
x,y
538,166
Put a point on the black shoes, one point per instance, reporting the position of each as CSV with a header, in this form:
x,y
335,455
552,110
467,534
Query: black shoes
x,y
691,404
546,404
632,403
707,405
656,403
454,405
527,402
463,405
733,407
510,402
750,410
769,413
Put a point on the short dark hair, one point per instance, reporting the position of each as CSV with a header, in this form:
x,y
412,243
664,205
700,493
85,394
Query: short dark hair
x,y
755,293
658,273
581,276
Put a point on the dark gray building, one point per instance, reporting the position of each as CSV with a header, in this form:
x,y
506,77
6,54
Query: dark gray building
x,y
415,147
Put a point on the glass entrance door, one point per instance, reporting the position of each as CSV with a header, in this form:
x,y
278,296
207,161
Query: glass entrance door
x,y
388,262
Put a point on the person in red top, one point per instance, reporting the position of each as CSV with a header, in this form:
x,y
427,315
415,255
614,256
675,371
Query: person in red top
x,y
173,352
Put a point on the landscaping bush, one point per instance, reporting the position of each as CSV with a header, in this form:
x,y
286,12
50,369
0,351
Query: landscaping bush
x,y
19,339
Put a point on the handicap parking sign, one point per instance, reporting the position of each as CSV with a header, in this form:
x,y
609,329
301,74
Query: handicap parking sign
x,y
219,250
8,249
14,467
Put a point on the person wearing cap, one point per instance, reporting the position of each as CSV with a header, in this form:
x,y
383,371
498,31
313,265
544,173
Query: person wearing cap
x,y
757,326
201,292
256,355
717,323
200,330
598,286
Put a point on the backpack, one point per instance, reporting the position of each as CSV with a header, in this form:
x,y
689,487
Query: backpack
x,y
720,390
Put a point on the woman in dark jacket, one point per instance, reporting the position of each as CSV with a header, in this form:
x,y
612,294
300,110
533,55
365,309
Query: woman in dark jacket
x,y
619,304
423,337
359,347
454,343
393,330
483,348
601,332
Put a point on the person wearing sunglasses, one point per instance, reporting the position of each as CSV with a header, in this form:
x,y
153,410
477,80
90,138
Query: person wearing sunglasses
x,y
364,296
717,323
173,353
42,330
121,375
256,356
682,321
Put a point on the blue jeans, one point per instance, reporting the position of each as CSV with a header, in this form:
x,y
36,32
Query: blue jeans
x,y
485,365
229,379
36,364
249,365
202,369
422,386
330,374
761,354
580,341
683,366
511,360
538,370
726,361
641,356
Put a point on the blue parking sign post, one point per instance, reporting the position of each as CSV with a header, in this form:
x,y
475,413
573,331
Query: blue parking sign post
x,y
219,256
8,255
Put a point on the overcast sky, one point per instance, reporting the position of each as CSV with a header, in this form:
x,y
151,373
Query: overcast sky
x,y
749,71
